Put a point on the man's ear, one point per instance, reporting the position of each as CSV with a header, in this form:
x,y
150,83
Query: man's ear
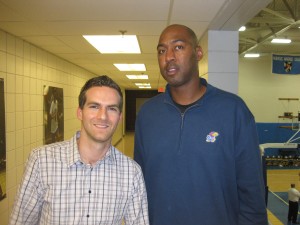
x,y
199,53
120,117
79,113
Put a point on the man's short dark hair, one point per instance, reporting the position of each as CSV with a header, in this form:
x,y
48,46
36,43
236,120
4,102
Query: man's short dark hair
x,y
100,81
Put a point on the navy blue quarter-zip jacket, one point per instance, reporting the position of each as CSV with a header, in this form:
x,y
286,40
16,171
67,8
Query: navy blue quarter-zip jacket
x,y
202,166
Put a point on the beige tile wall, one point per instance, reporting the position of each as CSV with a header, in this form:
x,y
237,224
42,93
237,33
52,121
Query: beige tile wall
x,y
25,69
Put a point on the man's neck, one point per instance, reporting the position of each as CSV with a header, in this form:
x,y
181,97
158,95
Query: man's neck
x,y
92,152
188,94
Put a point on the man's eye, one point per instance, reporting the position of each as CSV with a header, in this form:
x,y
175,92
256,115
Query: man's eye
x,y
94,107
160,51
113,109
179,47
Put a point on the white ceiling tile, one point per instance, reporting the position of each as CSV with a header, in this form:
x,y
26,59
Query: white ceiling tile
x,y
57,27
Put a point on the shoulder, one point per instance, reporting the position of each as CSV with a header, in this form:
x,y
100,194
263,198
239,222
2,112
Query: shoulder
x,y
225,98
223,95
224,104
124,161
51,152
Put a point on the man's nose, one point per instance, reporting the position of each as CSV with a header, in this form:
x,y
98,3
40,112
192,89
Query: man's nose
x,y
102,113
170,55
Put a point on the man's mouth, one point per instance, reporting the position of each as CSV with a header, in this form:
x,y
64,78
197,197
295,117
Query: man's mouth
x,y
101,125
171,69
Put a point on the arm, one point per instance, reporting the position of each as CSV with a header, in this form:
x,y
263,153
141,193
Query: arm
x,y
137,208
28,200
297,193
138,147
251,188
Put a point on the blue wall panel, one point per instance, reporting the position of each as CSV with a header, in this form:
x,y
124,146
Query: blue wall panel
x,y
272,133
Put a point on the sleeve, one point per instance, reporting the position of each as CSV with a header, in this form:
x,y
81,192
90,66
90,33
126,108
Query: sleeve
x,y
137,210
28,202
138,147
251,187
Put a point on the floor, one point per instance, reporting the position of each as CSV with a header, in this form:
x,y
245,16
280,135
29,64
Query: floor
x,y
278,182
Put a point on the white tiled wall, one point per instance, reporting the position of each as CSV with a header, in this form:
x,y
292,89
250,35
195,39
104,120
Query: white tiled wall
x,y
26,69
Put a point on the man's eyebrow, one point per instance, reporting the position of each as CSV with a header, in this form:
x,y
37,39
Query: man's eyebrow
x,y
92,103
159,45
99,104
113,105
173,41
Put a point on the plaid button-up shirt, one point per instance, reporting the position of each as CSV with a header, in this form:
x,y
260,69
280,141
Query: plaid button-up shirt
x,y
58,189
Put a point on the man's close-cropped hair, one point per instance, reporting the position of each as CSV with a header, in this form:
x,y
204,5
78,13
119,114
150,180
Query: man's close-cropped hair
x,y
99,81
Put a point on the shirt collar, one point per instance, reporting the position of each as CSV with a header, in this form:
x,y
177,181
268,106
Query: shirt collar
x,y
74,155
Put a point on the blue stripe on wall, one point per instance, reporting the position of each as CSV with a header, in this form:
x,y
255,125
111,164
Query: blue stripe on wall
x,y
272,133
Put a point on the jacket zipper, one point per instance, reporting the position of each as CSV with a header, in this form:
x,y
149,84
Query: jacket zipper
x,y
182,121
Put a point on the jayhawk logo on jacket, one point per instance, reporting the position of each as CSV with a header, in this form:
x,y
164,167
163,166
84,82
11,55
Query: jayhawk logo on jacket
x,y
212,136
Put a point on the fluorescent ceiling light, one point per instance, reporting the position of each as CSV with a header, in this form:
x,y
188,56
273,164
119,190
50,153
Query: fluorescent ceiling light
x,y
143,85
251,55
119,44
137,77
242,28
281,40
130,67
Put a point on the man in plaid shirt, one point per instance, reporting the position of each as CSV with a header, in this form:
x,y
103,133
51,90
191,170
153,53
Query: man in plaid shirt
x,y
84,180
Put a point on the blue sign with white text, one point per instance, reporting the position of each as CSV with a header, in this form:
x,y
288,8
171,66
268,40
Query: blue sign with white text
x,y
286,64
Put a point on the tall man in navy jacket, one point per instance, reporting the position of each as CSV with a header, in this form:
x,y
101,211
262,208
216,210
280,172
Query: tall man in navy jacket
x,y
197,145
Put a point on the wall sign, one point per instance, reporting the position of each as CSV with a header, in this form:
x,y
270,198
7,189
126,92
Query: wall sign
x,y
286,64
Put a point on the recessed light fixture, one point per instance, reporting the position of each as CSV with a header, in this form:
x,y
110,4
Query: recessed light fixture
x,y
114,44
251,55
137,77
242,28
281,40
130,67
143,85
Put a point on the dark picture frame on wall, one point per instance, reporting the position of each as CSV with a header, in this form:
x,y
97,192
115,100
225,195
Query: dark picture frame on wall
x,y
2,143
53,114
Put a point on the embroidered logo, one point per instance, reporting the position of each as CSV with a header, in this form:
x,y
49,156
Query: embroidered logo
x,y
212,136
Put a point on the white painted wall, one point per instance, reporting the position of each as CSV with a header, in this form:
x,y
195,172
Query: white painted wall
x,y
261,89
